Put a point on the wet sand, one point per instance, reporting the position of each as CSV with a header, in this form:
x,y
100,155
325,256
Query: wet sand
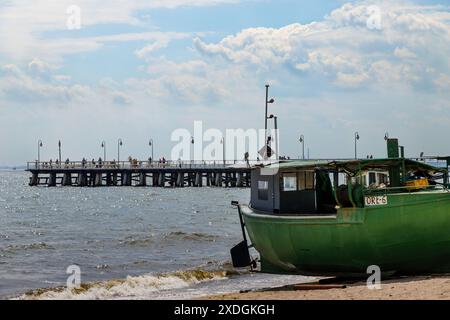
x,y
411,288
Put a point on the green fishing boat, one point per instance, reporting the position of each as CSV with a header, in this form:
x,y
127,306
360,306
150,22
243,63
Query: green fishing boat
x,y
340,217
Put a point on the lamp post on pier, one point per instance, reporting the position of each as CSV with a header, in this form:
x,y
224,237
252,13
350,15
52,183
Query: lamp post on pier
x,y
302,141
119,144
151,145
104,150
356,142
59,151
193,150
222,142
40,145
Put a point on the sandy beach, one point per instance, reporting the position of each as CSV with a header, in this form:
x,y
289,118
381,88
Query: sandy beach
x,y
412,288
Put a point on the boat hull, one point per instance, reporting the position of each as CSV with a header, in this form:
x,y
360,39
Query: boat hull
x,y
411,234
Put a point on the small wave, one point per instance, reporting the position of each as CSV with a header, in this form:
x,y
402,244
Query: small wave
x,y
195,236
24,247
136,287
102,266
137,241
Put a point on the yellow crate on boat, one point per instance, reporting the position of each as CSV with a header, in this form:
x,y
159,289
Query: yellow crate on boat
x,y
417,184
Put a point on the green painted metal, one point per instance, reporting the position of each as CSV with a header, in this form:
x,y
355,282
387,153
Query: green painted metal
x,y
410,234
392,148
394,171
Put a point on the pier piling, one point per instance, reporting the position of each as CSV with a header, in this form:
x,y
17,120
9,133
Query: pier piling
x,y
123,174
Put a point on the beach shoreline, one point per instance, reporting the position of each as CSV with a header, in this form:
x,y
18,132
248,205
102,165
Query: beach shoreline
x,y
433,287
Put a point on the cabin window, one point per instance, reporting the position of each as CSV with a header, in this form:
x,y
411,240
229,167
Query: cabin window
x,y
290,182
382,178
263,190
372,178
309,180
305,180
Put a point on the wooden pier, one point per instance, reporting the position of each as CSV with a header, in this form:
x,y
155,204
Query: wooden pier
x,y
141,174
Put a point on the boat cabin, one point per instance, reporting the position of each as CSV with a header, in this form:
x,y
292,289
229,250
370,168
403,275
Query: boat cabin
x,y
322,187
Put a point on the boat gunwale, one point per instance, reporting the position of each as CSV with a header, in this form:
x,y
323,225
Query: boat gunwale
x,y
259,213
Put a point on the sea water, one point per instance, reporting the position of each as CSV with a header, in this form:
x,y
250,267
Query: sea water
x,y
128,242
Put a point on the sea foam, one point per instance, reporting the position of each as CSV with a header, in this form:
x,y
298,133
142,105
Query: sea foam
x,y
139,287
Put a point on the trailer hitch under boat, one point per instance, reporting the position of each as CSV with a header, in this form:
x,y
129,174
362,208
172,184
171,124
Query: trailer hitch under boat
x,y
240,254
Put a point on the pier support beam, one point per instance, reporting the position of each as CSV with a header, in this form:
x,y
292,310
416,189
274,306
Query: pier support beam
x,y
218,182
233,180
108,179
91,179
173,180
82,179
180,180
240,180
52,180
227,180
98,180
198,180
67,179
142,179
155,178
34,181
126,179
162,179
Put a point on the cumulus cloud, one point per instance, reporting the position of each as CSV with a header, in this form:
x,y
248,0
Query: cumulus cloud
x,y
345,49
193,82
19,86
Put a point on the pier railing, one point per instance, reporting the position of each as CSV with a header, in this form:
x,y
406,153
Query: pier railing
x,y
46,165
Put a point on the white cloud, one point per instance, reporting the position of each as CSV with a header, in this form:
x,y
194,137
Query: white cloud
x,y
404,53
54,49
25,23
155,46
39,66
344,50
159,42
191,83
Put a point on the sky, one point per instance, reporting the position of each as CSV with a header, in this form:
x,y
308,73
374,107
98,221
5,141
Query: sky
x,y
138,70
